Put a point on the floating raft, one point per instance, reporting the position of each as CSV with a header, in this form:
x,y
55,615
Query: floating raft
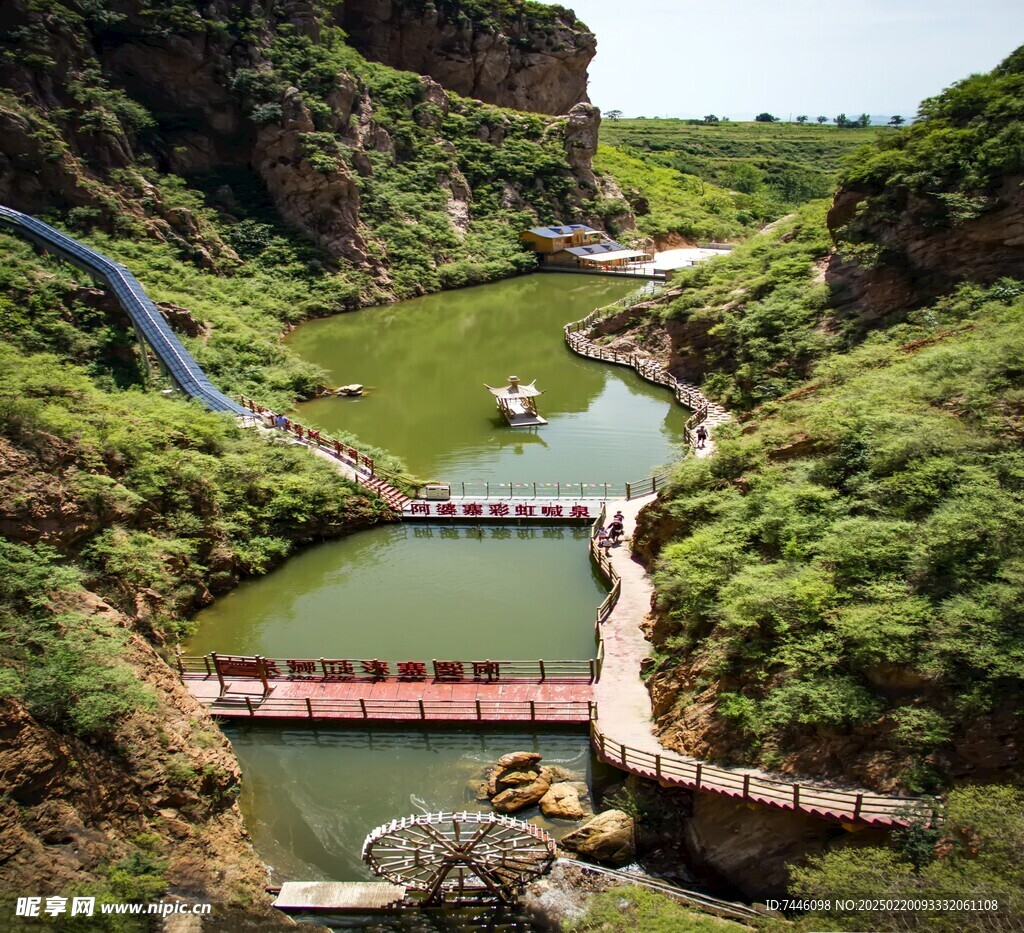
x,y
339,895
516,403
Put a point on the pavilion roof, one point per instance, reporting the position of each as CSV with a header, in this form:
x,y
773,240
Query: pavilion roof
x,y
515,390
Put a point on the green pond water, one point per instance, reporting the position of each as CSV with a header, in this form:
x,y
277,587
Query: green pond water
x,y
419,592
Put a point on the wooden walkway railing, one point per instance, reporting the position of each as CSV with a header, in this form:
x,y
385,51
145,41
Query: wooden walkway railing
x,y
366,473
677,770
433,711
814,799
350,670
577,339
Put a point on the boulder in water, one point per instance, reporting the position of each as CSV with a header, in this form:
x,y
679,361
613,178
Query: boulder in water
x,y
562,802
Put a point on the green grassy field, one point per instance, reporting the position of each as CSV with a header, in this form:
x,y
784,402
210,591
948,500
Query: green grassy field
x,y
790,161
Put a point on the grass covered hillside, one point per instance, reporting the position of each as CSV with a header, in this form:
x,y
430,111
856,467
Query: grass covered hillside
x,y
746,174
840,586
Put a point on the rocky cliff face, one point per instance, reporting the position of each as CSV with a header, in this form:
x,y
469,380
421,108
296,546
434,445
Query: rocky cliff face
x,y
94,109
916,252
75,817
525,61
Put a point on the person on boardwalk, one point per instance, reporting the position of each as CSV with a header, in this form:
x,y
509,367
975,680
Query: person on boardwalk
x,y
604,540
702,436
616,529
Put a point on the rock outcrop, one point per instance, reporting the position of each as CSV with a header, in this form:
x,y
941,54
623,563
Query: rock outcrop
x,y
71,810
917,255
521,61
518,781
608,838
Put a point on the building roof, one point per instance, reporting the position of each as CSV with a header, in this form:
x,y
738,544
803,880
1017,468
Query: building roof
x,y
556,231
614,256
595,249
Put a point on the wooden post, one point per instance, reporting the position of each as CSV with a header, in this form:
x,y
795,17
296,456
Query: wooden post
x,y
600,742
591,663
857,806
479,714
323,668
796,796
248,706
423,712
362,706
533,711
657,766
262,671
543,672
433,664
177,657
628,493
746,786
309,707
622,753
206,661
700,767
220,676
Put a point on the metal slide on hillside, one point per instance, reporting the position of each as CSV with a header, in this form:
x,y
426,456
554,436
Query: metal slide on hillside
x,y
183,370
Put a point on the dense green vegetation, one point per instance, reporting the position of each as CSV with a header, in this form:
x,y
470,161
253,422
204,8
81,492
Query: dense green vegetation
x,y
160,498
421,151
945,168
666,202
975,851
764,168
757,312
848,567
851,558
625,909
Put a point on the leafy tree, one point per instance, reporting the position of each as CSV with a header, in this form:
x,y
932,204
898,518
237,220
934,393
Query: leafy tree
x,y
802,118
822,119
841,121
614,114
896,120
711,118
766,117
864,120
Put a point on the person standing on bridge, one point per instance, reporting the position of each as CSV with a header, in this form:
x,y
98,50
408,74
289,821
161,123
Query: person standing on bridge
x,y
604,541
702,436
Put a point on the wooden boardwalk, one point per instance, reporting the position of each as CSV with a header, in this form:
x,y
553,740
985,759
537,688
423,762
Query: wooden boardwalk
x,y
549,702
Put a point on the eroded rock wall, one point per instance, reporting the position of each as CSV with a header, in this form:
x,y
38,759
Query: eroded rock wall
x,y
519,61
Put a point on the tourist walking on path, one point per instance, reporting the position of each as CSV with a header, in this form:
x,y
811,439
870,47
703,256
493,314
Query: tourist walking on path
x,y
604,540
702,436
616,528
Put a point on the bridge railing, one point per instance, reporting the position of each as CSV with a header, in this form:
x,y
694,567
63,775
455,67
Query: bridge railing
x,y
364,466
539,711
512,490
257,667
675,769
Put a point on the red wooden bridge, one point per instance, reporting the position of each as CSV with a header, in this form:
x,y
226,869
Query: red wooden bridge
x,y
443,692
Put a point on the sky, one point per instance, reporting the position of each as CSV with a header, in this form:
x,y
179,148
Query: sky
x,y
737,58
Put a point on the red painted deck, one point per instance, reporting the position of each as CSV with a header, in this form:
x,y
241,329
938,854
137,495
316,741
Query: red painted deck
x,y
555,702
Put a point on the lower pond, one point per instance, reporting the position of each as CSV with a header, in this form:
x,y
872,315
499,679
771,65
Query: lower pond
x,y
417,592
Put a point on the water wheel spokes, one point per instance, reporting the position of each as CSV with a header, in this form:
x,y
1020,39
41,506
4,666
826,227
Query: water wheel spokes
x,y
460,856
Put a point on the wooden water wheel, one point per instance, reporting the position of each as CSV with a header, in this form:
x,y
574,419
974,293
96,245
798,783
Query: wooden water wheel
x,y
452,857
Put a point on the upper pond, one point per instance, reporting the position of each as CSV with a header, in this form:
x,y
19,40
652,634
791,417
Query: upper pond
x,y
424,364
418,592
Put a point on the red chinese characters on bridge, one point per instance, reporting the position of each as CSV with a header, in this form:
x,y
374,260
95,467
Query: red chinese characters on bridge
x,y
498,510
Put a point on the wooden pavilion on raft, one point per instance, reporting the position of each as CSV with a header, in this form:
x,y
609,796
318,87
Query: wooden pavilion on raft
x,y
516,403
